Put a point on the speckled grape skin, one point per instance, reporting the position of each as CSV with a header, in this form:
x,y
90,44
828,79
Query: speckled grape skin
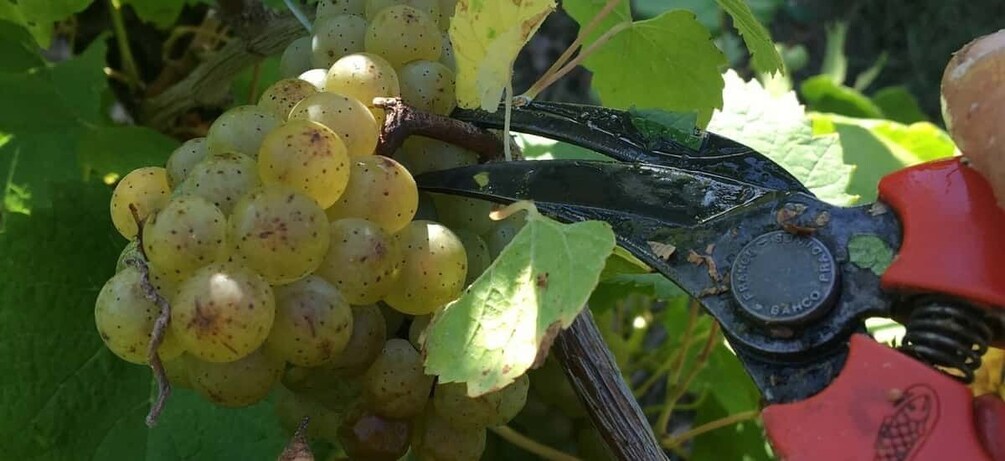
x,y
125,318
361,261
477,250
434,439
447,53
129,252
380,190
420,155
430,7
296,58
223,312
279,233
363,76
145,188
240,129
402,34
434,271
463,212
313,322
337,7
307,157
283,96
187,234
335,37
395,385
315,77
184,158
369,332
347,117
428,85
446,12
222,179
239,383
451,402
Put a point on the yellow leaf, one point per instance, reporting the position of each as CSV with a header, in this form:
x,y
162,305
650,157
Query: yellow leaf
x,y
486,36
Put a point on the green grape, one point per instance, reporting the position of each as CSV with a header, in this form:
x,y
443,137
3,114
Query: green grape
x,y
335,37
402,34
434,271
279,233
363,76
145,189
186,156
395,385
281,97
370,437
365,343
325,385
315,77
221,179
296,58
346,117
477,250
446,12
223,312
187,234
420,155
178,371
380,190
548,424
426,209
337,7
361,260
428,85
430,7
492,409
416,329
503,231
291,408
434,439
307,157
553,387
464,213
447,55
125,319
239,383
313,322
165,282
241,129
129,252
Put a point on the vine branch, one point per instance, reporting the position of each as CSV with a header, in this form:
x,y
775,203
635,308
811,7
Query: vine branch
x,y
402,121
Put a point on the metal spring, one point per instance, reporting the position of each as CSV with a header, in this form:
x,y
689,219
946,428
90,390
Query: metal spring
x,y
948,334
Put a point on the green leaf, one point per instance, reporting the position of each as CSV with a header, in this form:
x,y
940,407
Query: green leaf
x,y
161,13
764,56
728,390
835,63
709,14
668,62
537,285
656,125
38,16
821,94
540,148
17,47
120,149
870,252
777,126
899,105
583,11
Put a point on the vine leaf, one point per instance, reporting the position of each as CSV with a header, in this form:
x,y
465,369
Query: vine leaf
x,y
487,36
506,320
762,49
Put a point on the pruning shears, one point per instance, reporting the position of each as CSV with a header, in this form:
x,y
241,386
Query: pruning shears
x,y
790,278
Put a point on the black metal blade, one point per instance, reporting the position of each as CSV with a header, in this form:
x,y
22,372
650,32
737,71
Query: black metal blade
x,y
624,136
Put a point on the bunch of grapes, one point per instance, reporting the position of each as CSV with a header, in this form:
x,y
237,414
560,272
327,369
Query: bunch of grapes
x,y
296,260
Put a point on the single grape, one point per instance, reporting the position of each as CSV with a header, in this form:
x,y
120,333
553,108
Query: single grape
x,y
395,385
361,261
380,190
416,329
402,34
367,436
446,12
426,209
477,250
365,343
145,189
434,439
337,7
315,77
464,213
238,383
447,55
187,234
434,271
178,371
492,409
313,322
221,179
165,282
184,158
223,312
325,385
241,129
503,231
129,252
292,407
363,76
430,7
281,97
420,155
125,319
345,116
336,36
307,157
428,85
296,58
279,233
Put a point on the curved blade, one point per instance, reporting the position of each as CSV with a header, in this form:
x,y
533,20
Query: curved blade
x,y
629,137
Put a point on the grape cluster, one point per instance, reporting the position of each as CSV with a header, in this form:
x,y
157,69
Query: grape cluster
x,y
296,260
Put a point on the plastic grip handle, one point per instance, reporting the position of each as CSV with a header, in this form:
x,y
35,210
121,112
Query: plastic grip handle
x,y
954,233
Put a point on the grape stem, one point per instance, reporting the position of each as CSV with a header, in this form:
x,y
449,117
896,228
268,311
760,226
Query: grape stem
x,y
298,449
160,325
671,442
533,446
402,121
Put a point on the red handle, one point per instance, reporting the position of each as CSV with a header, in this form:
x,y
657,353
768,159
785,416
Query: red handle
x,y
954,233
883,406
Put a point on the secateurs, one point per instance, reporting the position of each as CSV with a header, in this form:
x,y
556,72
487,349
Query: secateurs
x,y
790,278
